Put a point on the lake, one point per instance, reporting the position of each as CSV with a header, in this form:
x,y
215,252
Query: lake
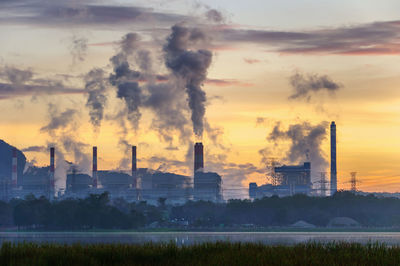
x,y
189,238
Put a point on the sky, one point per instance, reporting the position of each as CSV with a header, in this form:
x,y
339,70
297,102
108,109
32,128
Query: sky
x,y
255,81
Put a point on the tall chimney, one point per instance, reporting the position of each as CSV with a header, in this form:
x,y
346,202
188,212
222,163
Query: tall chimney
x,y
198,157
134,177
52,169
333,159
94,170
14,174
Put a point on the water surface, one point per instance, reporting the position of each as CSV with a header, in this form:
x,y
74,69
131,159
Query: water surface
x,y
188,238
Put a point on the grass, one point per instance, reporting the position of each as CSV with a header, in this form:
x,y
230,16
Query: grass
x,y
220,253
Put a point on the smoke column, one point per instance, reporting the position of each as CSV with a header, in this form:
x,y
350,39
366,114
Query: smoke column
x,y
97,99
305,143
190,66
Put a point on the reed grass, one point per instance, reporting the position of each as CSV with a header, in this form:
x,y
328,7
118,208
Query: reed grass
x,y
220,253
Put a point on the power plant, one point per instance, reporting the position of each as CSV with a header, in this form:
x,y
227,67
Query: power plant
x,y
141,184
288,180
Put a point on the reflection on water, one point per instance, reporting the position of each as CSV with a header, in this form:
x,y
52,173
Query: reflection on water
x,y
188,238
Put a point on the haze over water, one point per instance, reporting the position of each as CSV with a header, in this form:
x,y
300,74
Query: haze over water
x,y
190,238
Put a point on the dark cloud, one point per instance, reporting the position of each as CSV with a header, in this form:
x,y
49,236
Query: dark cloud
x,y
17,76
83,13
377,38
215,16
305,86
8,90
191,67
21,82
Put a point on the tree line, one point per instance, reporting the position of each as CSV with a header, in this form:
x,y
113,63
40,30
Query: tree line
x,y
98,211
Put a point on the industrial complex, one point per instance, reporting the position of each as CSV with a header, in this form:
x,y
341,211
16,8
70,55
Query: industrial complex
x,y
288,180
142,184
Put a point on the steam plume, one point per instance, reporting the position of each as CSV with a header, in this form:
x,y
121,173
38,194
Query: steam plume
x,y
126,79
190,67
305,142
97,99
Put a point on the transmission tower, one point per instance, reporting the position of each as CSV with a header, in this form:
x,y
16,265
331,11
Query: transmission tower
x,y
353,181
272,177
323,183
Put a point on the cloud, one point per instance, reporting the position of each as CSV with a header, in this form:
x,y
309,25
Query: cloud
x,y
378,38
251,61
261,120
227,83
21,82
17,76
8,91
215,16
35,149
79,13
305,86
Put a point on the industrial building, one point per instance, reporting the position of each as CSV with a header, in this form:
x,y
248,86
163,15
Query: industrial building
x,y
140,184
290,179
296,179
207,186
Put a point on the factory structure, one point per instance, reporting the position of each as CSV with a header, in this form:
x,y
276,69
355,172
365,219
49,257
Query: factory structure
x,y
288,180
140,184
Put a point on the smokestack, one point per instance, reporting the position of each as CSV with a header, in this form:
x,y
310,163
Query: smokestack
x,y
94,171
134,184
333,159
198,157
52,169
14,175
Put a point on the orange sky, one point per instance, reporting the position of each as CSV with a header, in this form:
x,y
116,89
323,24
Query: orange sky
x,y
366,108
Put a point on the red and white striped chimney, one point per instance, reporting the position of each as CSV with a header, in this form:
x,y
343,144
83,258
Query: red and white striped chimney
x,y
94,170
14,174
52,170
134,177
